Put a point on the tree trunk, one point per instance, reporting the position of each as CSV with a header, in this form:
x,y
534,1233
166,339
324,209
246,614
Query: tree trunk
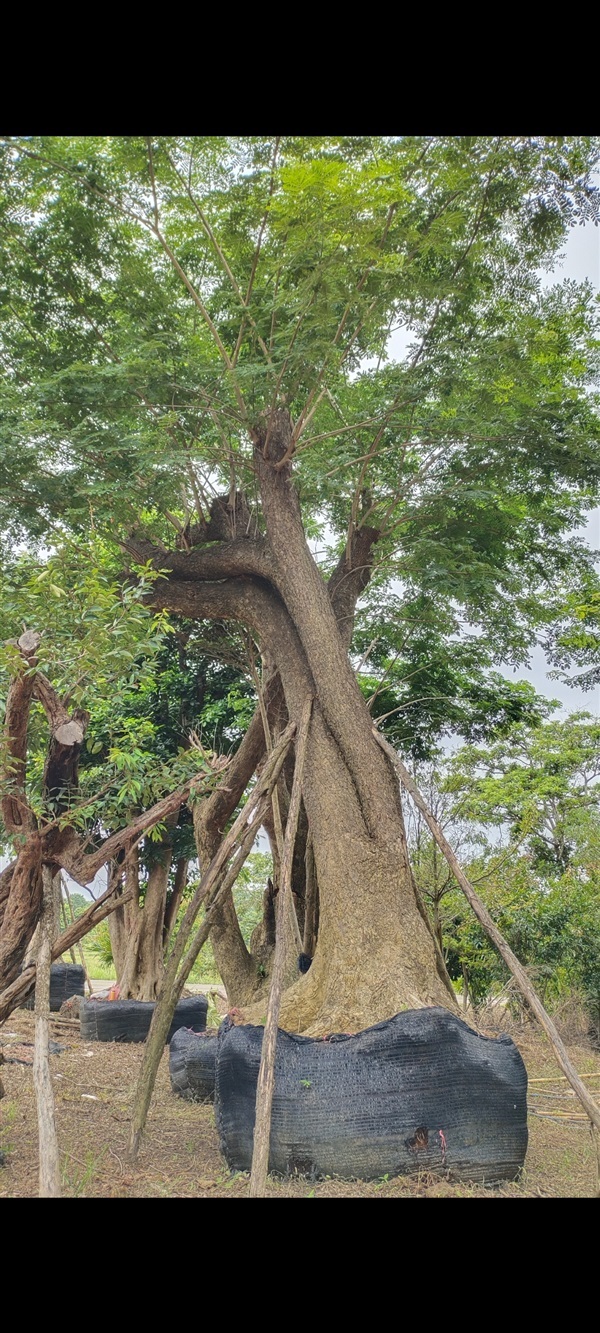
x,y
123,925
136,930
375,953
22,909
175,898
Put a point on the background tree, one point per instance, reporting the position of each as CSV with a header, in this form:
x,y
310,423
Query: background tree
x,y
72,782
527,812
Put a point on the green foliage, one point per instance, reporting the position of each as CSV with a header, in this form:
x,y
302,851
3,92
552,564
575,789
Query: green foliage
x,y
542,783
147,683
98,945
576,639
537,792
79,905
157,295
424,674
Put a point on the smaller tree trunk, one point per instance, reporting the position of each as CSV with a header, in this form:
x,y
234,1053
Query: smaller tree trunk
x,y
175,898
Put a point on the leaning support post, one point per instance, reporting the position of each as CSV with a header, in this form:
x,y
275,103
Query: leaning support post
x,y
515,967
266,1073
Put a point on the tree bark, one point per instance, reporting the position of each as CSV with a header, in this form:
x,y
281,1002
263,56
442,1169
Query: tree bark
x,y
17,816
375,955
22,910
175,898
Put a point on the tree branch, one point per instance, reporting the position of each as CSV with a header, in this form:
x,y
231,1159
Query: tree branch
x,y
242,556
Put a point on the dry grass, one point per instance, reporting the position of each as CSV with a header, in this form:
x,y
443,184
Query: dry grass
x,y
180,1158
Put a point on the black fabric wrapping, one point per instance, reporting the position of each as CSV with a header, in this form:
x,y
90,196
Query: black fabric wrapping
x,y
129,1020
66,980
192,1058
420,1092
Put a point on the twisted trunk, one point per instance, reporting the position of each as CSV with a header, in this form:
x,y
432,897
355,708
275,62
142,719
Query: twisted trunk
x,y
375,953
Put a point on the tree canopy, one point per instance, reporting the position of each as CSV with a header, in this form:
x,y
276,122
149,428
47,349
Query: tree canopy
x,y
195,349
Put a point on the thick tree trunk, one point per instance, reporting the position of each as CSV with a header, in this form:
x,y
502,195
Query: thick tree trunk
x,y
375,953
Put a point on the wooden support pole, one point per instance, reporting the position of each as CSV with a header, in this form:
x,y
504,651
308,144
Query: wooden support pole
x,y
215,883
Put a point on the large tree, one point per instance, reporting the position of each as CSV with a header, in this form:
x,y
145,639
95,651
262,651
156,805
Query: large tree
x,y
195,334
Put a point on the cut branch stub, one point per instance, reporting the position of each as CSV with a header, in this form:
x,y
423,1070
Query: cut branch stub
x,y
29,642
69,733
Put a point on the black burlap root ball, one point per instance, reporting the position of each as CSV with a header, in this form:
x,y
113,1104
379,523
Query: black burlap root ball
x,y
66,980
192,1059
129,1020
420,1092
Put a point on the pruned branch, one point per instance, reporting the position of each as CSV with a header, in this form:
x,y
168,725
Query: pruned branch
x,y
231,558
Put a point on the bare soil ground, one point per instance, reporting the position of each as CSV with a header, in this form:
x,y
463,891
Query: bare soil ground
x,y
180,1158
